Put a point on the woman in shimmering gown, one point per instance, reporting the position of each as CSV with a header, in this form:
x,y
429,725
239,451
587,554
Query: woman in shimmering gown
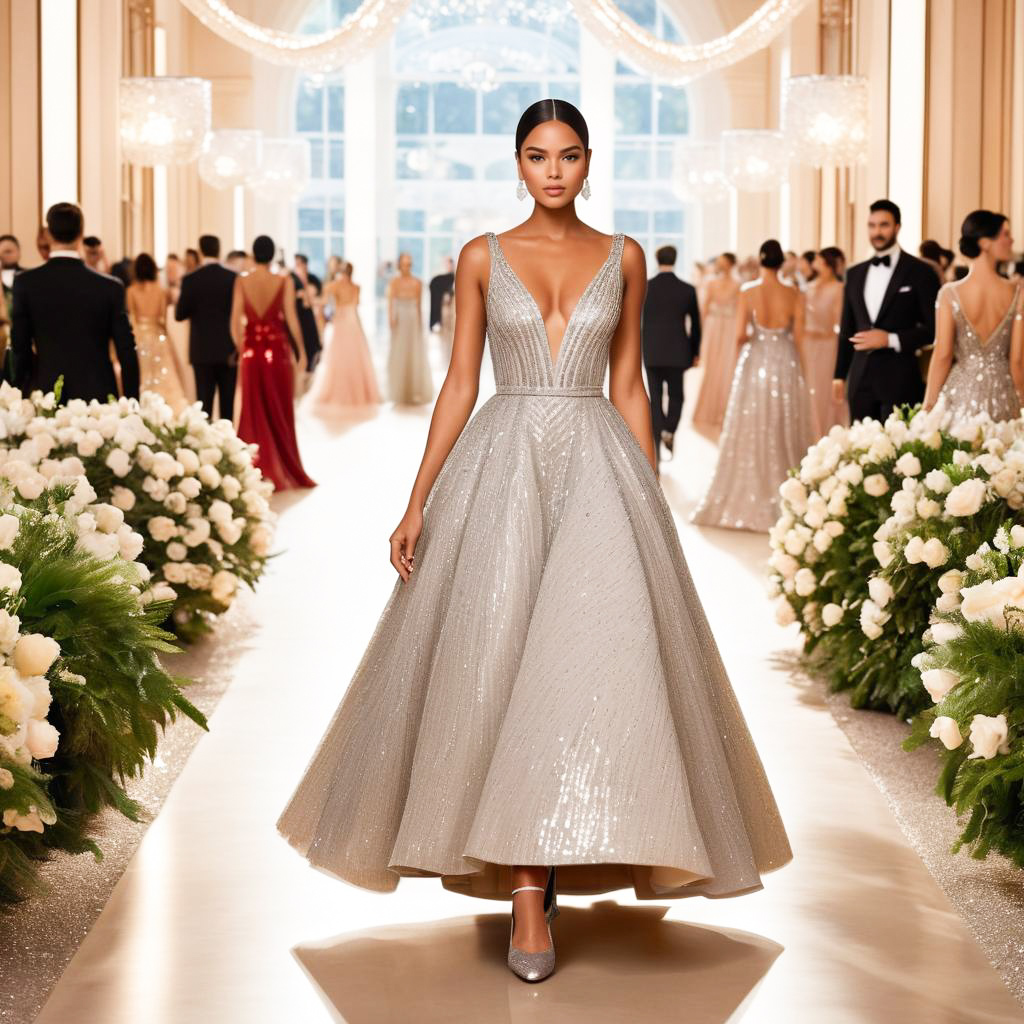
x,y
767,426
409,379
146,301
980,323
718,346
824,299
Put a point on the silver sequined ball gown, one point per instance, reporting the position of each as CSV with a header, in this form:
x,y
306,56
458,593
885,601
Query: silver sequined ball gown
x,y
545,689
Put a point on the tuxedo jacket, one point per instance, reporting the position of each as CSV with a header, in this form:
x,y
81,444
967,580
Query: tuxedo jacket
x,y
65,315
205,301
908,311
438,286
671,322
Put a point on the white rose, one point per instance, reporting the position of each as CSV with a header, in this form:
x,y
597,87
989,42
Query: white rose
x,y
31,485
795,543
880,590
903,505
948,602
934,553
122,498
937,481
6,779
950,582
103,546
10,628
872,619
223,586
966,498
876,485
914,550
822,540
834,528
175,502
927,508
990,462
209,476
1004,482
1016,535
188,459
231,533
219,512
231,487
784,613
90,444
988,600
198,531
210,456
261,539
9,526
190,487
165,466
176,572
961,458
882,552
938,682
806,582
161,528
30,822
119,462
908,464
946,731
34,654
108,517
10,578
831,615
988,736
785,565
176,551
131,543
851,473
42,739
944,632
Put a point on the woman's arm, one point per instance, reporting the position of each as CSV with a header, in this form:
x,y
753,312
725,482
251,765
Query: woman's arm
x,y
626,382
292,319
237,312
799,326
392,322
742,315
456,399
1017,346
942,354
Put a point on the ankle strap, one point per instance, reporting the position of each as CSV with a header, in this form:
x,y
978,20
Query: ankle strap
x,y
539,888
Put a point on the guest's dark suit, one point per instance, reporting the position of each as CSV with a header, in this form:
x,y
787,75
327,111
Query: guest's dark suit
x,y
205,301
880,379
671,342
64,318
307,319
438,287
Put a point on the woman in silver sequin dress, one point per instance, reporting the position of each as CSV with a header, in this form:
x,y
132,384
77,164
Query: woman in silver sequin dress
x,y
542,687
980,323
146,301
767,426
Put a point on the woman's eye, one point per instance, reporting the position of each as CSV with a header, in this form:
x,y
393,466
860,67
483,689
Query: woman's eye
x,y
534,157
572,156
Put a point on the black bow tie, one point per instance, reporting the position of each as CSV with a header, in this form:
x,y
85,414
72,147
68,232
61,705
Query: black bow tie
x,y
881,261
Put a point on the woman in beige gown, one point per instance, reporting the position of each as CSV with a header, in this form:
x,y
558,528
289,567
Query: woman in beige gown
x,y
147,301
824,298
409,379
767,428
344,378
718,351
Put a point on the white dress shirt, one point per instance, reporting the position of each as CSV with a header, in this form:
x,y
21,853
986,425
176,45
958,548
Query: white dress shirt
x,y
875,284
72,254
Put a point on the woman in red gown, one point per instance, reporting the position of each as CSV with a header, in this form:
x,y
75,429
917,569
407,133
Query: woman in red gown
x,y
265,301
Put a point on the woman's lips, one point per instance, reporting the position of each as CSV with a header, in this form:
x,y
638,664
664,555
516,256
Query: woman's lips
x,y
554,188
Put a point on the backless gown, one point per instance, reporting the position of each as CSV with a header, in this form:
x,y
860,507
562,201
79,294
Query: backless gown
x,y
545,689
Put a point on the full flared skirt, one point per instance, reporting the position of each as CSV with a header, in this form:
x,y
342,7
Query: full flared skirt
x,y
345,377
767,432
820,361
410,381
718,355
977,385
159,368
544,690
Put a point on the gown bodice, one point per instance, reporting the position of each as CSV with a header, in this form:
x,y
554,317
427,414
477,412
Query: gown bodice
x,y
518,340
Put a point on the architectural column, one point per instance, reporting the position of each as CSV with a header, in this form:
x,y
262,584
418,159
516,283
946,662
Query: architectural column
x,y
597,92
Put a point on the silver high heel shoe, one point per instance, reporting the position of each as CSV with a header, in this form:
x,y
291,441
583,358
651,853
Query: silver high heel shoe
x,y
535,966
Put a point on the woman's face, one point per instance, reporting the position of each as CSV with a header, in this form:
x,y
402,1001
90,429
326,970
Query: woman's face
x,y
405,263
821,267
553,163
723,266
1000,248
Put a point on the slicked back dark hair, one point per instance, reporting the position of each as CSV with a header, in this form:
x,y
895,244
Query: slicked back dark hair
x,y
64,221
551,110
886,206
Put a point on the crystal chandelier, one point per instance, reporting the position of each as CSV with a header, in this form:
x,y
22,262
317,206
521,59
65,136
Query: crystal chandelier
x,y
697,171
283,171
491,12
163,120
754,161
230,157
825,119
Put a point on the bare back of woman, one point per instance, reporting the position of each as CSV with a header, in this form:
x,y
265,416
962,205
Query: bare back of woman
x,y
147,299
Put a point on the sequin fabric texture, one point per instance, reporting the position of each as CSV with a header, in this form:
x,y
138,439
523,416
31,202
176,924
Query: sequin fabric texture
x,y
980,380
546,689
409,378
767,431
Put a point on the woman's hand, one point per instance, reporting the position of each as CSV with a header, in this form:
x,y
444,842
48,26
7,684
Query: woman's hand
x,y
403,542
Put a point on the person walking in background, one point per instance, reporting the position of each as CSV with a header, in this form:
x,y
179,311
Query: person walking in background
x,y
307,292
93,254
10,267
888,317
265,329
671,343
64,318
440,285
345,378
147,302
821,340
205,302
719,351
237,260
409,378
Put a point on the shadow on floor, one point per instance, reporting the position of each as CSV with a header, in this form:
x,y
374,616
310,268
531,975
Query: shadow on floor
x,y
615,963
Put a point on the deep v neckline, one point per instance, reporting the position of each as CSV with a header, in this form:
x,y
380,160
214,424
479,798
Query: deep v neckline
x,y
553,361
270,305
995,330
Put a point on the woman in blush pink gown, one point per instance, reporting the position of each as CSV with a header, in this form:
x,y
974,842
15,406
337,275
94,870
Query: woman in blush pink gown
x,y
718,350
824,297
345,378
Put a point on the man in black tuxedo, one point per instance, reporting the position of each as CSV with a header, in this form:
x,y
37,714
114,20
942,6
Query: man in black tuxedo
x,y
307,287
888,317
205,301
671,343
64,318
439,286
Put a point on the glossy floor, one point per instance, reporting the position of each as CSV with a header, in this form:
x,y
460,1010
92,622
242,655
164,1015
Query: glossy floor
x,y
217,920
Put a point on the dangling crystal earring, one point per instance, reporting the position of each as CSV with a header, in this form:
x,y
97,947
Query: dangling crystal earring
x,y
521,190
585,191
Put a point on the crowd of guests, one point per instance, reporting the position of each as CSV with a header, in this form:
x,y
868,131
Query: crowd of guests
x,y
806,343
